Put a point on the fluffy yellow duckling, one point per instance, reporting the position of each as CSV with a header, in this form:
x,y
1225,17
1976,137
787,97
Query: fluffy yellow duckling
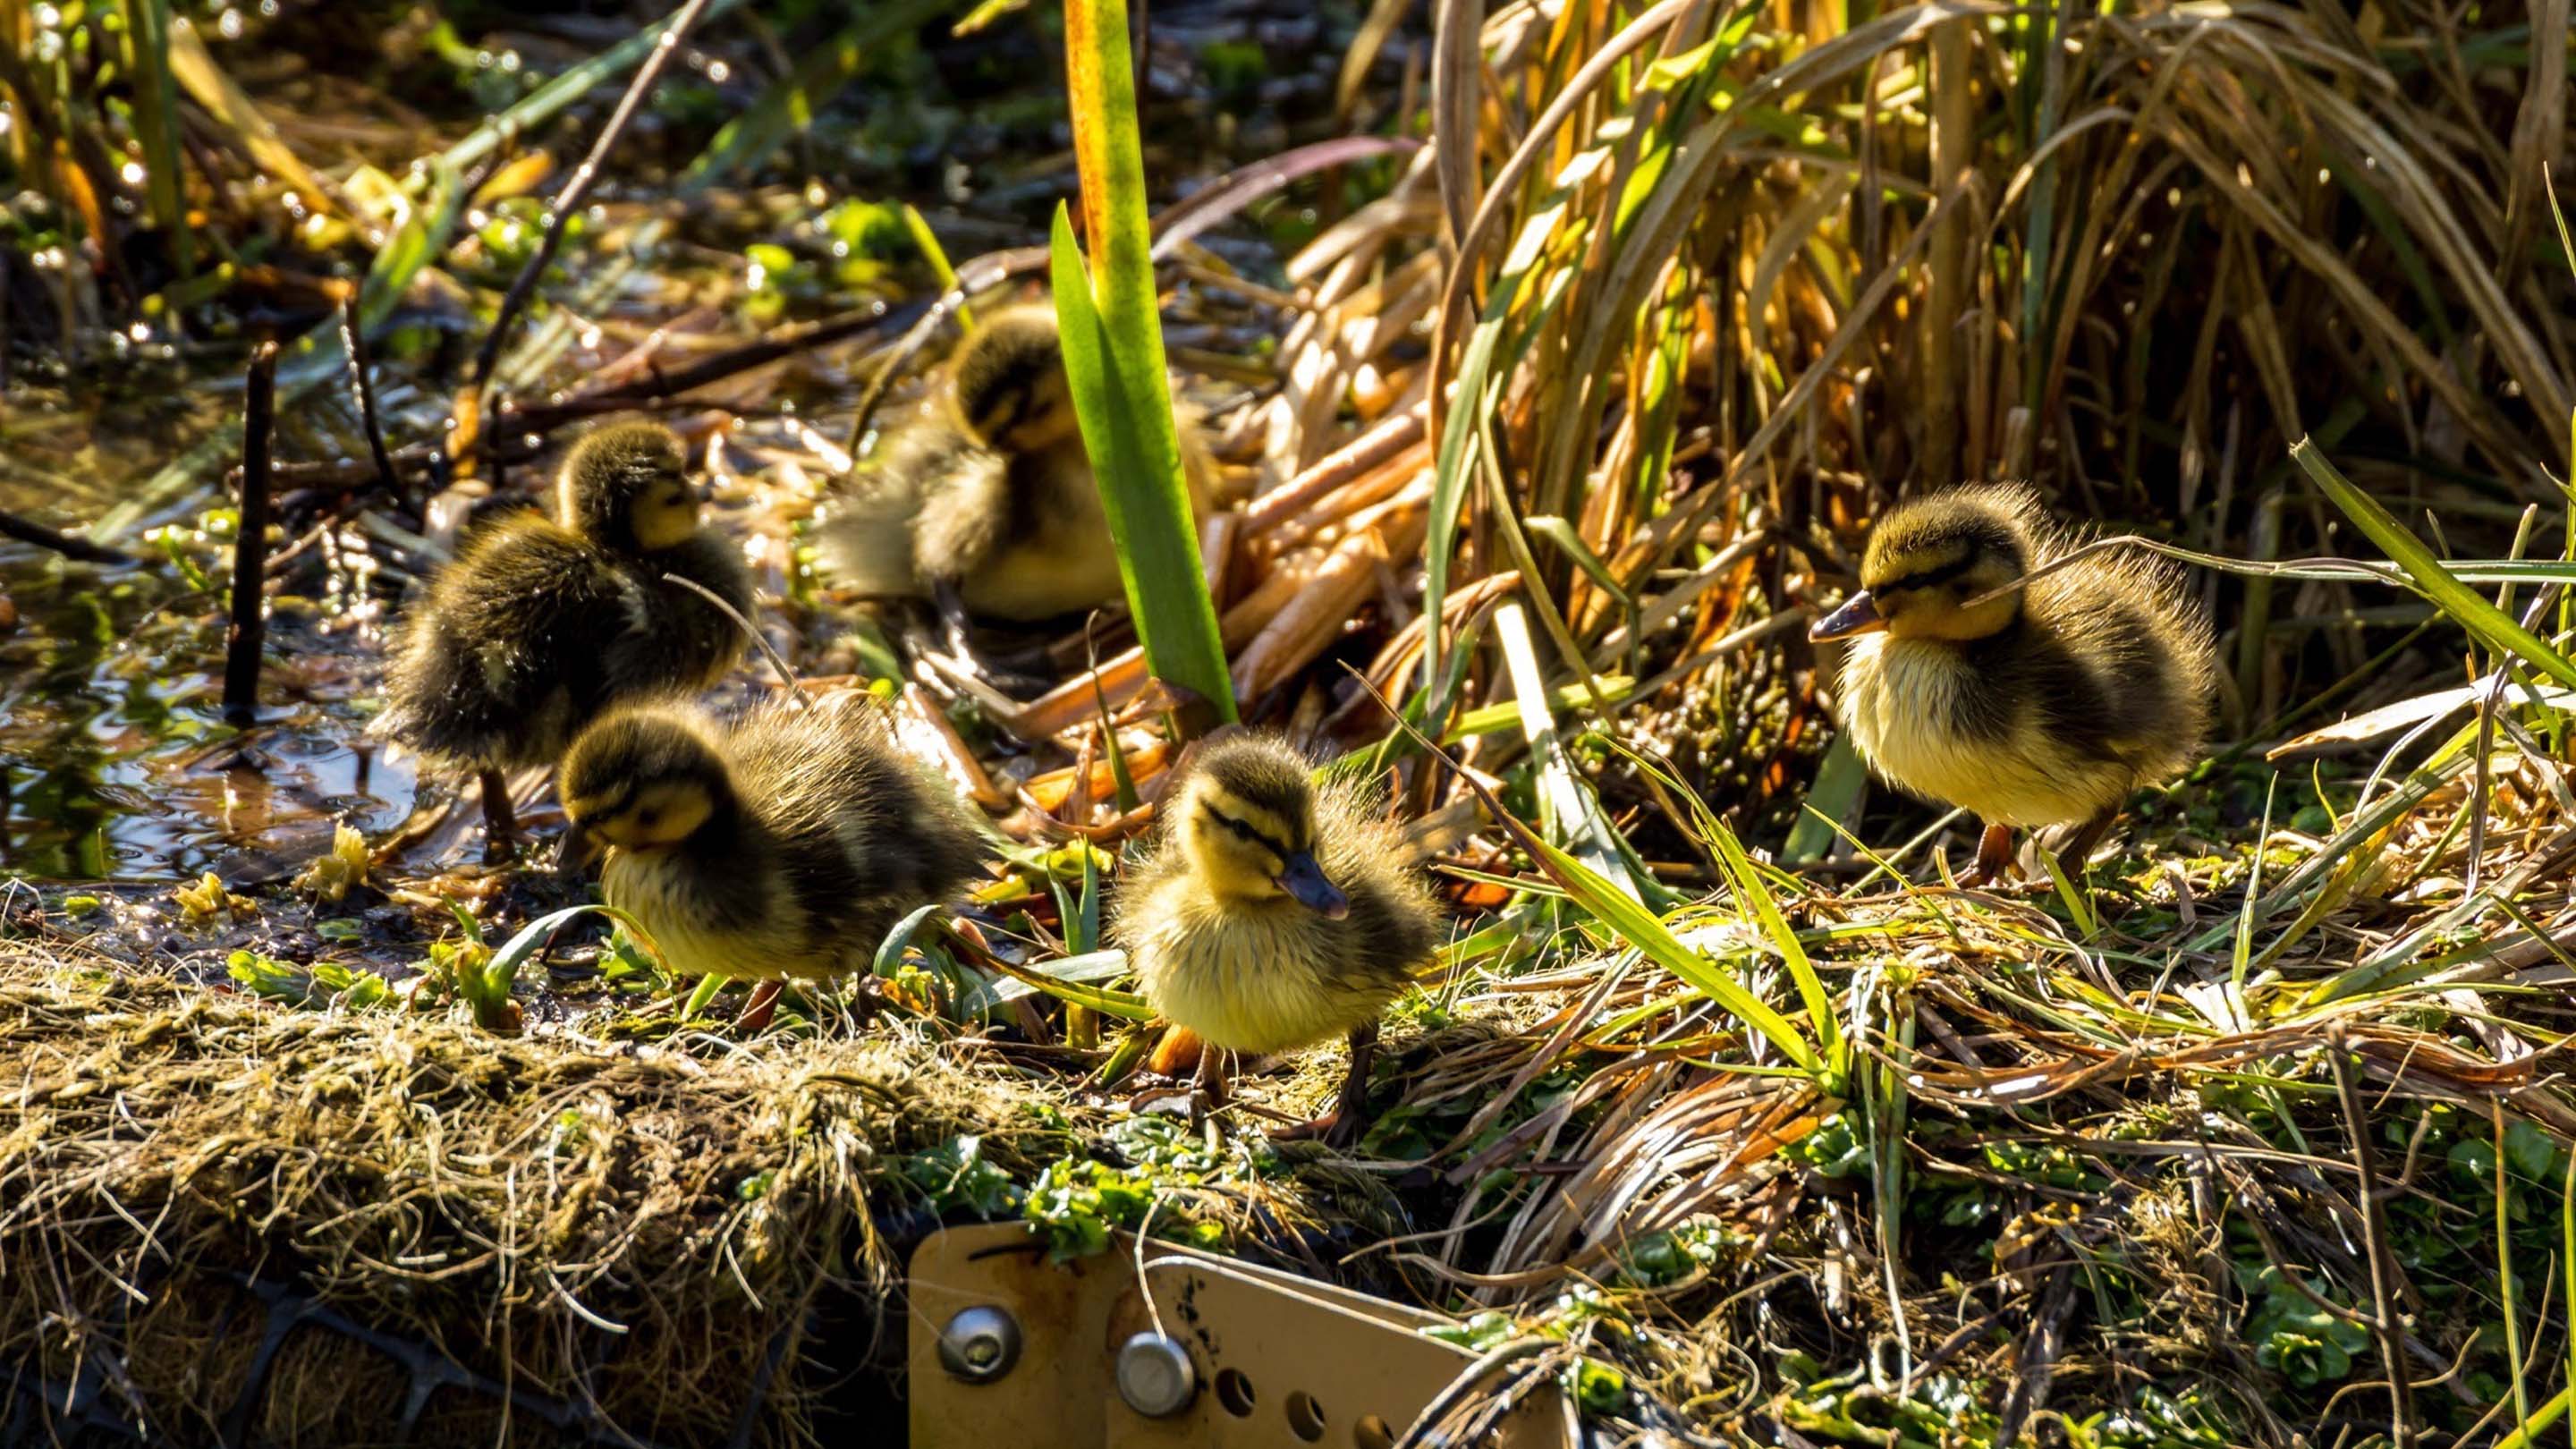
x,y
1271,913
2044,706
984,500
540,624
782,844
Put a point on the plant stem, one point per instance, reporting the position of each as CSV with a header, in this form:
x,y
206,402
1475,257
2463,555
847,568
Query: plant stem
x,y
568,201
249,631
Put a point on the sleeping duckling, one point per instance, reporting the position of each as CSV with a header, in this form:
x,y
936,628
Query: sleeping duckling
x,y
539,625
984,500
2044,706
1272,913
784,843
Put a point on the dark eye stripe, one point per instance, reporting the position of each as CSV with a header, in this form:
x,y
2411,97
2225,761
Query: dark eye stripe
x,y
1248,833
1926,578
613,804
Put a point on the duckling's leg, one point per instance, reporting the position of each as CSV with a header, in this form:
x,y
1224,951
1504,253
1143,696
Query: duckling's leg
x,y
500,822
1994,856
1351,1113
952,617
961,645
1207,1085
2079,845
759,1007
1342,1126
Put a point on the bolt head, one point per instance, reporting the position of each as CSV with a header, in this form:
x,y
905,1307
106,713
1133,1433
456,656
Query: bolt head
x,y
980,1344
1155,1375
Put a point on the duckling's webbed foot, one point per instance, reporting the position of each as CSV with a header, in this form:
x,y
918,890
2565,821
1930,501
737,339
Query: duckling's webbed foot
x,y
1994,856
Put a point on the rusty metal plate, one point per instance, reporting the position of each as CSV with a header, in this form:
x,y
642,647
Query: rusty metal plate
x,y
1279,1362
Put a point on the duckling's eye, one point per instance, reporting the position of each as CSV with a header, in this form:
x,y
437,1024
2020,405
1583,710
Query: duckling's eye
x,y
648,818
1243,832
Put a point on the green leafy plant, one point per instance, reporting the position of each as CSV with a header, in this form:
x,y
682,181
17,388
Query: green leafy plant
x,y
324,983
2298,1339
1077,1202
1113,356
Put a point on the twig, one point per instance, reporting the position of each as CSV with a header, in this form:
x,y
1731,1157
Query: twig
x,y
786,676
29,531
1423,1429
988,270
2354,570
343,475
353,340
2488,704
2385,1324
249,632
657,385
568,200
2040,1345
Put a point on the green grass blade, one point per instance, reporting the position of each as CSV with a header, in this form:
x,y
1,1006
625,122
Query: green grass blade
x,y
156,121
1839,783
789,105
704,993
1073,987
1114,362
1494,718
2491,626
2540,1419
1631,922
492,986
1753,896
2504,1202
2074,894
1452,469
576,82
928,242
1069,974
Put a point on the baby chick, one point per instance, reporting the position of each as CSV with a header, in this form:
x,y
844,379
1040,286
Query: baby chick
x,y
984,499
785,843
1272,913
2044,706
540,624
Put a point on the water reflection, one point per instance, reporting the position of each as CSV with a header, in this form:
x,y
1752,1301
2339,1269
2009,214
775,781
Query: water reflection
x,y
116,762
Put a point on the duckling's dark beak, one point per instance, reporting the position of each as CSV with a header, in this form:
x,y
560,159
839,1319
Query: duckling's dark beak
x,y
1858,615
573,853
1305,884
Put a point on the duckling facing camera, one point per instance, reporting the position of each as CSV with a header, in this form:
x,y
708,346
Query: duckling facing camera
x,y
2044,706
782,844
540,624
1272,913
984,500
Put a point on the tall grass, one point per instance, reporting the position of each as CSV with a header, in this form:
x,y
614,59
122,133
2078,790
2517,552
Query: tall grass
x,y
1113,353
2129,255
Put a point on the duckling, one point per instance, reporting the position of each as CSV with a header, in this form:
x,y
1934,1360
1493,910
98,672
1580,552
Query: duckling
x,y
984,500
2044,706
540,624
782,844
1271,913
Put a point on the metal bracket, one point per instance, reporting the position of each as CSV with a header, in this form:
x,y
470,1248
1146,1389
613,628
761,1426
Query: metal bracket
x,y
1232,1355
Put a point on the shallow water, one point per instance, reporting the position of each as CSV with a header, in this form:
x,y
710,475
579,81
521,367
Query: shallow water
x,y
113,748
115,762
